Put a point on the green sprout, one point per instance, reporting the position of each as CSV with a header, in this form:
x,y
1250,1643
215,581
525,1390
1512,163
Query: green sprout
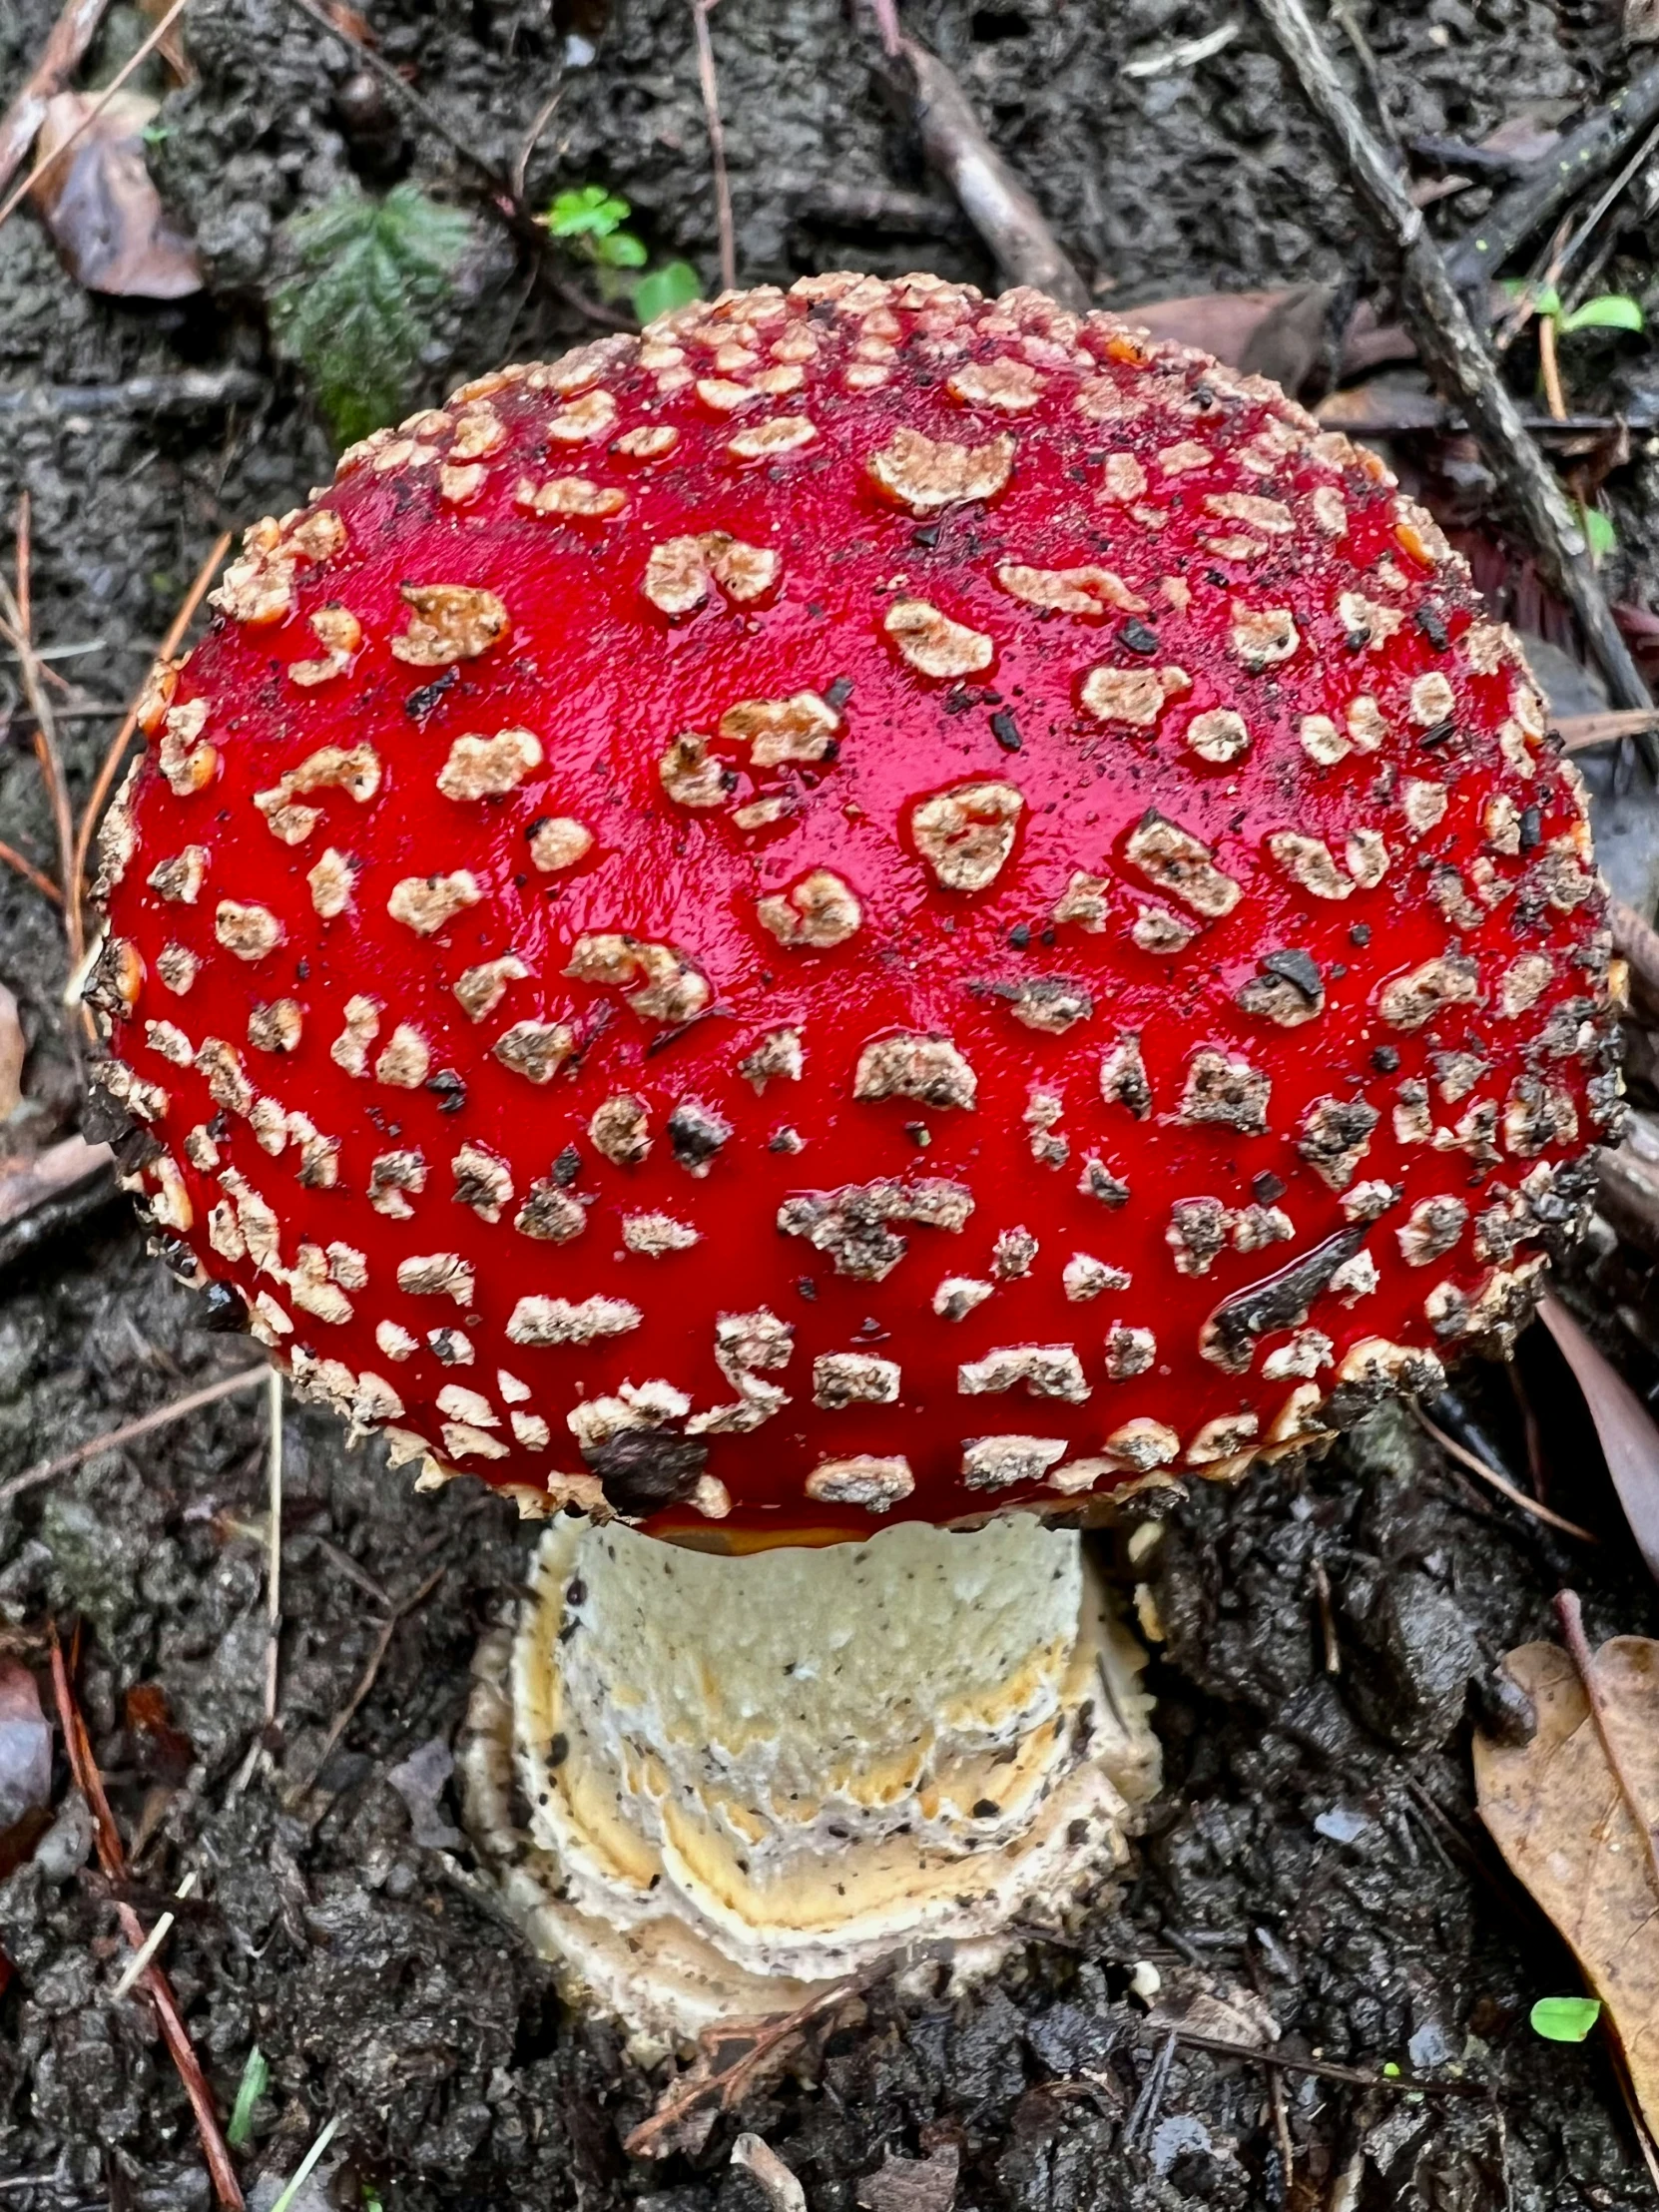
x,y
357,313
588,220
1565,2020
255,2077
1608,311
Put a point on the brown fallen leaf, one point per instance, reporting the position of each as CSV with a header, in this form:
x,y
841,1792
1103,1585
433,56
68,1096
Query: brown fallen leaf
x,y
912,2184
1556,1811
28,1183
104,214
11,1053
1624,1427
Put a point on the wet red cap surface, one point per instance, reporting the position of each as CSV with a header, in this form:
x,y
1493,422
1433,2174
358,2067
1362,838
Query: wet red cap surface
x,y
875,903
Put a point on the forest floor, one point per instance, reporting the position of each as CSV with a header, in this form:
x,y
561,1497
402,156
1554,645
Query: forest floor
x,y
1331,1632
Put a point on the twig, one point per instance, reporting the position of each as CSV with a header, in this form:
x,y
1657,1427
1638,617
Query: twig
x,y
1282,2132
1578,733
342,1719
994,200
1451,344
1574,246
151,1943
1555,181
273,1554
512,211
114,1439
70,37
140,54
1637,943
521,163
111,765
18,628
780,2183
1322,2069
1549,369
191,388
113,1859
12,859
1570,1614
728,2083
1503,1486
1327,1619
716,142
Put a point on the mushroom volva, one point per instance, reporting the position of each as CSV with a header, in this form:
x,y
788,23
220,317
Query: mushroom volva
x,y
873,908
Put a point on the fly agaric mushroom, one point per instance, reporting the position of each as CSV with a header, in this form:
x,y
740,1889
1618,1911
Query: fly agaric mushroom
x,y
870,908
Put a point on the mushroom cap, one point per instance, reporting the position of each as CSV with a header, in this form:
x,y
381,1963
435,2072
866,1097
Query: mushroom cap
x,y
875,902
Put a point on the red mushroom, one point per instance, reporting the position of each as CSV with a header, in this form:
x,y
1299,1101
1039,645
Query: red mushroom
x,y
873,905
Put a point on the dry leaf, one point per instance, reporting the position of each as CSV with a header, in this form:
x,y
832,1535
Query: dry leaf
x,y
1641,21
105,214
28,1183
11,1053
1557,1814
912,2184
1624,1427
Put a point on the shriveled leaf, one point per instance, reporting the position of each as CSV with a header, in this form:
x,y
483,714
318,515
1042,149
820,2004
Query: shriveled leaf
x,y
104,214
31,1183
1624,1427
1564,2019
912,2184
12,1051
1556,1811
1223,323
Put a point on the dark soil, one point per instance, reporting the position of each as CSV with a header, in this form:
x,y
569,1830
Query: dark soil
x,y
1316,1854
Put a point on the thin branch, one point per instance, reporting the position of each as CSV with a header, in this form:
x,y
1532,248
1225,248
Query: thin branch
x,y
19,629
129,1432
12,859
71,35
512,211
123,738
1570,1614
1503,1486
521,163
113,1859
717,144
1322,2069
993,198
342,1719
142,54
1555,181
1451,344
273,1554
1578,733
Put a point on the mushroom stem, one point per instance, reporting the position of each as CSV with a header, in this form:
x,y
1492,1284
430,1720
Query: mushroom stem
x,y
740,1778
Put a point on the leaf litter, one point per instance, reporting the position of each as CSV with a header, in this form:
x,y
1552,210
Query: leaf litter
x,y
1572,1812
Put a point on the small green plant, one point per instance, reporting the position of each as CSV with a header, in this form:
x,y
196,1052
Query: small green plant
x,y
590,222
255,2077
357,313
1608,311
1565,2020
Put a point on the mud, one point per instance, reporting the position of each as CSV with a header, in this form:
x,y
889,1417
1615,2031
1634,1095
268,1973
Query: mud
x,y
1329,1635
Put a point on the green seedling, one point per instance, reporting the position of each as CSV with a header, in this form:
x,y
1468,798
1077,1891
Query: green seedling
x,y
357,314
1565,2020
590,222
254,2076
